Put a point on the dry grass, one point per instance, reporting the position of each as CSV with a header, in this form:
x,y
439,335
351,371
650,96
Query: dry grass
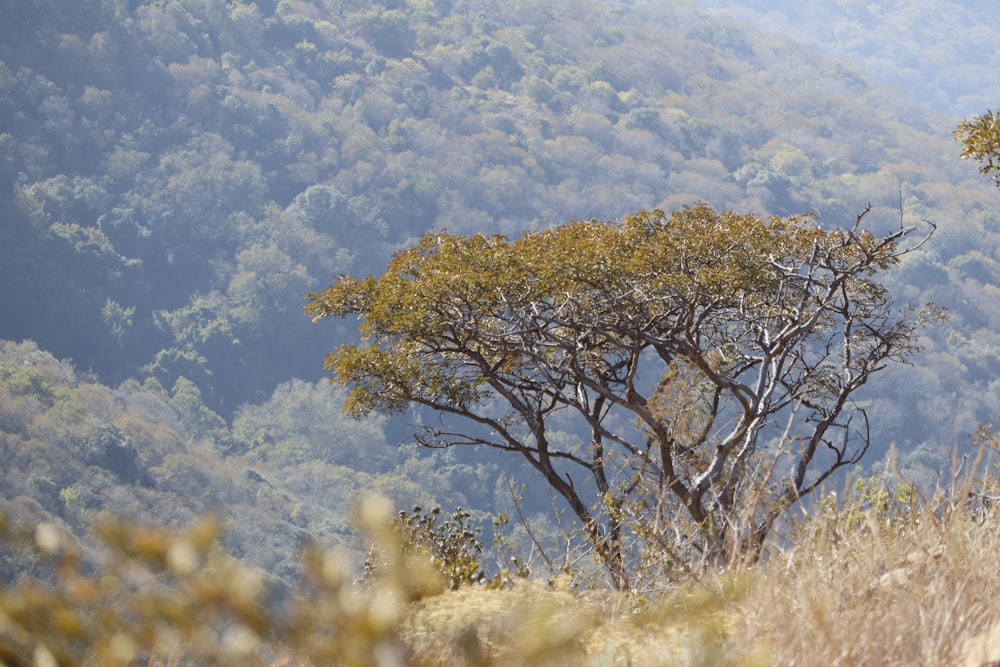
x,y
535,624
907,585
905,593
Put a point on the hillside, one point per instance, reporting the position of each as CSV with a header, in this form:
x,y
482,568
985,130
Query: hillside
x,y
176,175
288,474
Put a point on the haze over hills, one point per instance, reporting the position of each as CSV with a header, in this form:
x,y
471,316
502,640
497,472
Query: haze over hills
x,y
176,175
943,53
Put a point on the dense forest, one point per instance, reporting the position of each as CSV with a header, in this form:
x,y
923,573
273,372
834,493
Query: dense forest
x,y
178,174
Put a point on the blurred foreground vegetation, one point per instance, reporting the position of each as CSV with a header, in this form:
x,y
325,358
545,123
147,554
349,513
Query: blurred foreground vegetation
x,y
880,578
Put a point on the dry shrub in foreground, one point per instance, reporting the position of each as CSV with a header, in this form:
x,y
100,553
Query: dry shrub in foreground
x,y
153,597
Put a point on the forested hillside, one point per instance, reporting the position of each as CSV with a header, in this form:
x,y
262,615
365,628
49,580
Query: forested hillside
x,y
286,475
175,175
941,52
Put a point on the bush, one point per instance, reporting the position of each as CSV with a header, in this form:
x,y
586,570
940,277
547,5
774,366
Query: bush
x,y
452,546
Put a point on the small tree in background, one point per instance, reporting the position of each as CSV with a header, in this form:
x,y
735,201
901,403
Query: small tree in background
x,y
452,546
980,138
705,363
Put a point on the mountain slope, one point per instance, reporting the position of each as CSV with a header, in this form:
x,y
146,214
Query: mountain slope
x,y
177,174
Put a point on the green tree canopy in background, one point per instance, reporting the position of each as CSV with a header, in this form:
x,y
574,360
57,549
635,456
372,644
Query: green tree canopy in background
x,y
712,358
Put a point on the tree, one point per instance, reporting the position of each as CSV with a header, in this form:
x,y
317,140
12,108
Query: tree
x,y
707,360
980,138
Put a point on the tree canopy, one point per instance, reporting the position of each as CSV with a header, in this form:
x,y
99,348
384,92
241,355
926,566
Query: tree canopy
x,y
980,138
679,380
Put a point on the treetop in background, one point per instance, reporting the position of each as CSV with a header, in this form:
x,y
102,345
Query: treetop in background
x,y
980,139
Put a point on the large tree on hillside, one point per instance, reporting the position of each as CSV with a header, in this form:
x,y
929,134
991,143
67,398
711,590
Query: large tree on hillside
x,y
680,381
